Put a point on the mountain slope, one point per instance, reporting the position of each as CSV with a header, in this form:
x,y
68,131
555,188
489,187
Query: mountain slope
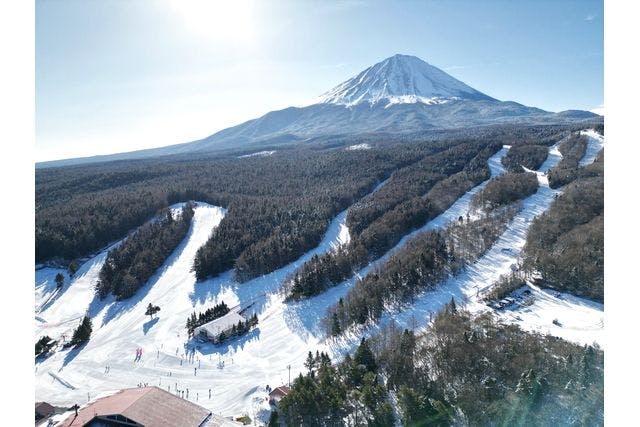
x,y
401,79
401,94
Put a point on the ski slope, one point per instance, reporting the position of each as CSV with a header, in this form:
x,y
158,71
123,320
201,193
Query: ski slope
x,y
238,371
582,320
595,143
119,327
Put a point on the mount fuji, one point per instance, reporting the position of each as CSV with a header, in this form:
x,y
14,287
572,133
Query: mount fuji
x,y
401,94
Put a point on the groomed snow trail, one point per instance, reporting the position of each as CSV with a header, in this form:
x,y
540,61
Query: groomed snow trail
x,y
107,363
583,319
118,327
595,143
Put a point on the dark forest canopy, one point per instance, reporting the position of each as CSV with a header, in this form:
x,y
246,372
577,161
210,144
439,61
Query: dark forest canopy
x,y
506,189
465,371
566,243
529,156
278,206
421,264
432,188
129,266
573,149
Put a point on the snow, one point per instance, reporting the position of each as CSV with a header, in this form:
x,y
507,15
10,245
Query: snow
x,y
581,320
397,80
414,99
221,324
238,370
364,146
595,143
258,154
250,362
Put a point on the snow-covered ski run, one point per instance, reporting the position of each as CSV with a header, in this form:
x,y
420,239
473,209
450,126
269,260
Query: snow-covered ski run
x,y
238,371
581,320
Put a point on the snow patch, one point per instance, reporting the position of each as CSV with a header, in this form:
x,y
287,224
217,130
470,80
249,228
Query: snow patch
x,y
258,154
364,146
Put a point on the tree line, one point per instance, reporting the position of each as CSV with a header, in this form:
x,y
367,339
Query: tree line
x,y
451,173
572,149
128,266
278,206
505,189
530,156
421,264
566,243
293,225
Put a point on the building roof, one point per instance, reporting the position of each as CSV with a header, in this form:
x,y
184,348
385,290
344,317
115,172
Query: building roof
x,y
221,324
149,406
44,409
283,390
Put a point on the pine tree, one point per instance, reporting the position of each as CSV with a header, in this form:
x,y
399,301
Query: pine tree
x,y
73,267
364,356
59,281
153,309
44,344
310,362
452,306
335,325
83,332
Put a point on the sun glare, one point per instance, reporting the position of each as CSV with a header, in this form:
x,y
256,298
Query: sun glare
x,y
219,21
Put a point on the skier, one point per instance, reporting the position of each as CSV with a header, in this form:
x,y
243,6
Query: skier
x,y
195,371
209,393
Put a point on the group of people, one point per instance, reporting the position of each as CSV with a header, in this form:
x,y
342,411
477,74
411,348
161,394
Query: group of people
x,y
138,353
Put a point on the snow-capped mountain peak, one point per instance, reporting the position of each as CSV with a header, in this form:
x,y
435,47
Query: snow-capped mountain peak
x,y
401,79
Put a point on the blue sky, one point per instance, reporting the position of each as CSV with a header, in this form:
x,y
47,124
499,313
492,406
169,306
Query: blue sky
x,y
115,76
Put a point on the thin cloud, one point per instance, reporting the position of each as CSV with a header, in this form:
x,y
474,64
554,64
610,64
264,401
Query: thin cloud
x,y
590,17
598,109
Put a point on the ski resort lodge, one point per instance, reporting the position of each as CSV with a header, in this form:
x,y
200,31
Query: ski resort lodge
x,y
211,331
277,394
144,407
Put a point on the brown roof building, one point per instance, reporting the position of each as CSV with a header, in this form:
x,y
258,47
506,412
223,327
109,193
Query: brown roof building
x,y
278,393
43,411
143,407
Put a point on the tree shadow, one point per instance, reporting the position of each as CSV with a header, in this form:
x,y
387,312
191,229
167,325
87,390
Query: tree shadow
x,y
256,292
149,324
72,354
231,345
117,308
46,283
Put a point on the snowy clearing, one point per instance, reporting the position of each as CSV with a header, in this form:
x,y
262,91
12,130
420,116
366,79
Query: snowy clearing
x,y
364,146
258,154
577,319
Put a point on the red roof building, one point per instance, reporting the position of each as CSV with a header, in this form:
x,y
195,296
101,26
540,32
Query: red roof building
x,y
278,393
143,407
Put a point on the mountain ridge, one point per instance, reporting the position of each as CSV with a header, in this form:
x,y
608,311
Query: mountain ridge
x,y
401,94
